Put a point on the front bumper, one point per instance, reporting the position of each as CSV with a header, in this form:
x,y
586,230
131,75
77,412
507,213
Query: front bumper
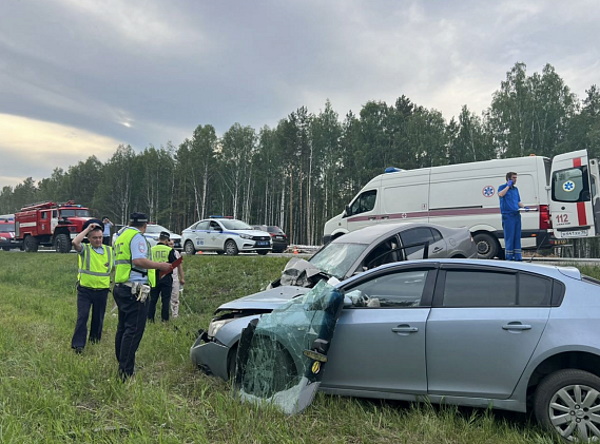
x,y
8,244
210,356
251,246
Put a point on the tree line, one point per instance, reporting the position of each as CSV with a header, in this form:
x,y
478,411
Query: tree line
x,y
302,172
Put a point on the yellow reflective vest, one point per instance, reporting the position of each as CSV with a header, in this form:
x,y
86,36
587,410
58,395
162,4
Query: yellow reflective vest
x,y
123,263
95,268
160,253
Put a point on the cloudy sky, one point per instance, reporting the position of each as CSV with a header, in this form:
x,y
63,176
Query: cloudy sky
x,y
80,77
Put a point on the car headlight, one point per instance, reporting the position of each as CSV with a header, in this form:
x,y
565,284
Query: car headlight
x,y
215,326
245,236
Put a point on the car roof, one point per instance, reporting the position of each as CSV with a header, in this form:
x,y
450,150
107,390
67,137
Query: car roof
x,y
555,271
369,234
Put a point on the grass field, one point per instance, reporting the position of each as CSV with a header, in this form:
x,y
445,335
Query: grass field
x,y
50,395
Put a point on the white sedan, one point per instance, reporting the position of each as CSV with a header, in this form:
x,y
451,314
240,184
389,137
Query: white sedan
x,y
225,236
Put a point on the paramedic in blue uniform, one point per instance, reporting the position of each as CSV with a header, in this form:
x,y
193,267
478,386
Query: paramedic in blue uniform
x,y
510,202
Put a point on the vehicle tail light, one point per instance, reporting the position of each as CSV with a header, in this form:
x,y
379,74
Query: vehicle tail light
x,y
545,220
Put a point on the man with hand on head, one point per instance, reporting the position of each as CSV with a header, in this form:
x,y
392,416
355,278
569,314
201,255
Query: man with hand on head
x,y
133,280
106,233
96,262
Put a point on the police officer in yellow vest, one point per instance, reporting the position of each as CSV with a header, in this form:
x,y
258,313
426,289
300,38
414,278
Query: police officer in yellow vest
x,y
132,287
162,252
96,262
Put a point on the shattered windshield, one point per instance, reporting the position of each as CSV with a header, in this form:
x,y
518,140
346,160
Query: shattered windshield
x,y
280,358
337,258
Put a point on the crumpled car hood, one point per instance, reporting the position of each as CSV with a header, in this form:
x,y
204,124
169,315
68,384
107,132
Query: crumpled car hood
x,y
268,299
299,272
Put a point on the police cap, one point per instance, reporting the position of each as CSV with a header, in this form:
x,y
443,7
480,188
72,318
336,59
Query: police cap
x,y
138,217
89,222
164,235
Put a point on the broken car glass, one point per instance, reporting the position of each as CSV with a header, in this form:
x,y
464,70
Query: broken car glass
x,y
281,357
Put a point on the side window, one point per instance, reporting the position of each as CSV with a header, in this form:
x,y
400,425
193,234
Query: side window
x,y
395,290
534,291
571,185
363,203
203,225
384,253
437,236
479,289
214,226
416,236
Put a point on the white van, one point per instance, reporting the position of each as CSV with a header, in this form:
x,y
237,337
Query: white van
x,y
562,194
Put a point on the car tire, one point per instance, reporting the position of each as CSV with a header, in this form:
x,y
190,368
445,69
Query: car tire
x,y
62,243
220,252
262,252
231,248
6,248
189,248
30,244
564,402
487,246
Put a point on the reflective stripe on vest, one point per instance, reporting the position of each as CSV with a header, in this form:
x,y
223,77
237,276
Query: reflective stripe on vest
x,y
123,262
95,268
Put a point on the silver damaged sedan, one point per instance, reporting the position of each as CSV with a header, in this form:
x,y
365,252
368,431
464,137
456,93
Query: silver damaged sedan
x,y
509,335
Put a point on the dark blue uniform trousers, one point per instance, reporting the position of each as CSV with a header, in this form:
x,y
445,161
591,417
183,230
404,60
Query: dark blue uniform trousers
x,y
163,290
94,299
130,329
511,224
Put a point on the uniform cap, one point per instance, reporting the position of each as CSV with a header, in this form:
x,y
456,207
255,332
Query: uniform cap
x,y
138,217
164,235
88,222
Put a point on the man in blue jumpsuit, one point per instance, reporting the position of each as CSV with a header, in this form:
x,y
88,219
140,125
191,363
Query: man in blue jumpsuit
x,y
510,202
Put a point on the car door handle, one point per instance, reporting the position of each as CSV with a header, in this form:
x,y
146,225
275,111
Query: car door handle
x,y
385,217
437,249
372,218
516,326
405,329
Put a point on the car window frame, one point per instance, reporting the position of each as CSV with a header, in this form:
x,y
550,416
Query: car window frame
x,y
557,288
421,244
428,289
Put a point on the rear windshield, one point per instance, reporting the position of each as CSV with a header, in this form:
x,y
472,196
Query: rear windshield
x,y
7,228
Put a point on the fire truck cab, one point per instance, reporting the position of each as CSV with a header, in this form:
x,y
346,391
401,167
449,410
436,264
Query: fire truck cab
x,y
50,224
7,232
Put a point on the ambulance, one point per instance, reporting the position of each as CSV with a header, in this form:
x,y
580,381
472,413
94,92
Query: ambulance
x,y
562,195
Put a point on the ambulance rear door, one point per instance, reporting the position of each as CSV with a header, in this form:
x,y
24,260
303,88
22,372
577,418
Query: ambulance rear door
x,y
572,193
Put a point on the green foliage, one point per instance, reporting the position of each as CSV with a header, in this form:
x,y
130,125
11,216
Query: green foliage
x,y
48,394
306,169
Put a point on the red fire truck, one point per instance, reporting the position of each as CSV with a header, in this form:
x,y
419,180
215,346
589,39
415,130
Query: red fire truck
x,y
7,232
50,224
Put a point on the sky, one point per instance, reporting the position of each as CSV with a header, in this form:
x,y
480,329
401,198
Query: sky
x,y
80,77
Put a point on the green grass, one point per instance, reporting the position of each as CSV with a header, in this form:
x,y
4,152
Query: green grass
x,y
50,395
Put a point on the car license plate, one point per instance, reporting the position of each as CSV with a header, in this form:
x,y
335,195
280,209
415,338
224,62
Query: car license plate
x,y
262,244
574,233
